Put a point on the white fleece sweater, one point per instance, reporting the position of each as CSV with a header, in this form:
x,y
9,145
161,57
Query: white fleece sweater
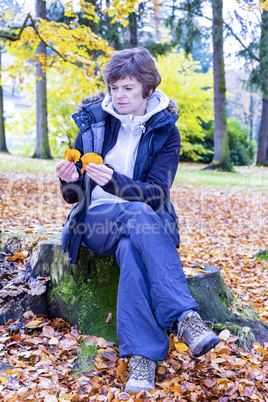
x,y
123,155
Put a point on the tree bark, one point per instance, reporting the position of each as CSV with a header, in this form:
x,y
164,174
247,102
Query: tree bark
x,y
132,29
157,19
221,158
262,154
3,147
251,109
42,149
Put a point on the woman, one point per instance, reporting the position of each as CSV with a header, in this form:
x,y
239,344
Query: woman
x,y
123,209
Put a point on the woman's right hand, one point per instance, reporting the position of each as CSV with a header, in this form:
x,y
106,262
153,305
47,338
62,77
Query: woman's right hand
x,y
67,171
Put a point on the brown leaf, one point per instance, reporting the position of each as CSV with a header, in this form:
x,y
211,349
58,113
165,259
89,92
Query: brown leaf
x,y
121,369
101,342
48,331
16,257
109,317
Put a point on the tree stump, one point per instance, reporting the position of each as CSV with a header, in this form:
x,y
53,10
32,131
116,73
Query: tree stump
x,y
85,294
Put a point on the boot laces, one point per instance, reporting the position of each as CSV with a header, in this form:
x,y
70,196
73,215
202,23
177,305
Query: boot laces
x,y
193,323
142,369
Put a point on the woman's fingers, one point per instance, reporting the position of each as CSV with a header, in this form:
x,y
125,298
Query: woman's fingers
x,y
67,171
64,168
101,174
59,166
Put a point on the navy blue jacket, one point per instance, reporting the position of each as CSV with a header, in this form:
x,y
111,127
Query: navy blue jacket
x,y
154,171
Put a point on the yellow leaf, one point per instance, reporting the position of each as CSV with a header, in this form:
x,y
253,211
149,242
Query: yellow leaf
x,y
3,380
12,371
204,272
220,380
33,323
181,347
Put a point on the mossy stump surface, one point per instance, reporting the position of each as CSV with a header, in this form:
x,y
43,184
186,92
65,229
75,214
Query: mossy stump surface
x,y
85,294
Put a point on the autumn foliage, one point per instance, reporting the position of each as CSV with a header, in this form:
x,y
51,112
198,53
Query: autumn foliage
x,y
38,356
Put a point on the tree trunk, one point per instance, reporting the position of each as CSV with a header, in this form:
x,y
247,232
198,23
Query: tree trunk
x,y
262,155
42,149
157,19
3,147
251,110
132,29
221,158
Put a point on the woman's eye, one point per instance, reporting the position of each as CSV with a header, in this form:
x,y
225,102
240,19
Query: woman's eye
x,y
128,89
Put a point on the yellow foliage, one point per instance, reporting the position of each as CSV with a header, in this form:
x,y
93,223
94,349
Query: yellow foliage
x,y
263,5
193,93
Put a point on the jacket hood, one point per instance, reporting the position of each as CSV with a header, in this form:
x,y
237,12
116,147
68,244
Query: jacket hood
x,y
157,102
171,107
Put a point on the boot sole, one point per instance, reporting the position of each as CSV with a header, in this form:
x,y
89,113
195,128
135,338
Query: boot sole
x,y
209,344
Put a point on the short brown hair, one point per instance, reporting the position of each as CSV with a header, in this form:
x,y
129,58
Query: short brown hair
x,y
137,63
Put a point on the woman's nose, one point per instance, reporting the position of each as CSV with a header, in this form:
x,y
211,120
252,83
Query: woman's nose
x,y
120,93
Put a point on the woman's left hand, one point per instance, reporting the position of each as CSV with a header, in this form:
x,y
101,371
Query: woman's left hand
x,y
101,174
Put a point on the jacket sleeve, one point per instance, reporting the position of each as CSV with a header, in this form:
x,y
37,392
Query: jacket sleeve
x,y
73,192
155,188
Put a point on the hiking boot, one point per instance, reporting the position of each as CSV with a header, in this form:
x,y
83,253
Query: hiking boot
x,y
196,334
142,374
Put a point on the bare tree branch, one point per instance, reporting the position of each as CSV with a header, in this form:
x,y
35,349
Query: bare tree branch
x,y
12,37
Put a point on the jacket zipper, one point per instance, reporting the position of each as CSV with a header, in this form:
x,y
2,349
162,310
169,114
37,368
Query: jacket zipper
x,y
129,146
132,121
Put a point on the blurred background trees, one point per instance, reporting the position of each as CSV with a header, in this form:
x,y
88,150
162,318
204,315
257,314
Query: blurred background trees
x,y
189,43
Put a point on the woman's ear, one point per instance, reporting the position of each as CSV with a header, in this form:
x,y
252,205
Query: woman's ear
x,y
151,91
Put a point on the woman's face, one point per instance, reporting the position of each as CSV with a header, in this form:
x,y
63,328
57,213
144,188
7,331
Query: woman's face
x,y
127,96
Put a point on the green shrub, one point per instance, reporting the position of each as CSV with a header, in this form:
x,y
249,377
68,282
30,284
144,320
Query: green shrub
x,y
242,149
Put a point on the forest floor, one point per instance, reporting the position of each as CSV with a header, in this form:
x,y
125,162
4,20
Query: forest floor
x,y
223,222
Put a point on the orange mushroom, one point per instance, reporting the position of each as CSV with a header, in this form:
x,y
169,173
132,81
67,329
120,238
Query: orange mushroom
x,y
72,155
91,157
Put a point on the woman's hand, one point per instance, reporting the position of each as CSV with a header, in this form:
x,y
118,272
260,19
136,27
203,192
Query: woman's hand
x,y
67,171
101,174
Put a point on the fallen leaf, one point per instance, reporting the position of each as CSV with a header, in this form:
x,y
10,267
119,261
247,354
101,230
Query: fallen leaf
x,y
109,317
34,323
16,257
182,347
225,334
3,380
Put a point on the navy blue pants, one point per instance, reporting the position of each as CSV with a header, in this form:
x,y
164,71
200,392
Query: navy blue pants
x,y
152,292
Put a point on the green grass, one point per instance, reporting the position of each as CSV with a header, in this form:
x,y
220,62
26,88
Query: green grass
x,y
263,255
26,163
252,177
245,176
85,359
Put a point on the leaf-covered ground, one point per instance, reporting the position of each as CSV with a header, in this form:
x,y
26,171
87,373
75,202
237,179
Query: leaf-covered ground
x,y
222,226
37,363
